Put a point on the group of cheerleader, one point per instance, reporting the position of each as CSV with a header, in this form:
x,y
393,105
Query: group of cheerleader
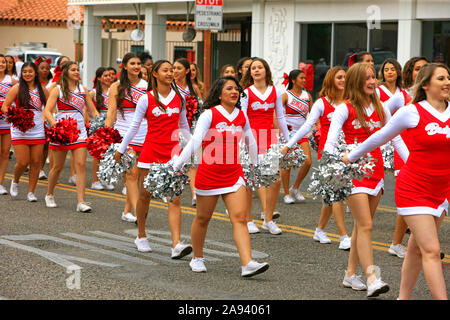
x,y
147,103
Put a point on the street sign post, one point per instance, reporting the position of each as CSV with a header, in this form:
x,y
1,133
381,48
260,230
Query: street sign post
x,y
208,14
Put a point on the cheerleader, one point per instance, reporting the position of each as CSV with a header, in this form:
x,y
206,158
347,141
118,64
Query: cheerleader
x,y
221,127
57,70
398,100
29,145
45,77
362,56
11,67
68,99
297,104
322,110
242,67
260,102
196,81
228,70
123,97
361,115
99,96
146,61
390,77
423,185
163,107
6,82
183,80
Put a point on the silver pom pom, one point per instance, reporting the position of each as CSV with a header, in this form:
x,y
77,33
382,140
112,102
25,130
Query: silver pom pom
x,y
252,174
109,170
312,141
333,179
387,151
162,181
97,123
294,158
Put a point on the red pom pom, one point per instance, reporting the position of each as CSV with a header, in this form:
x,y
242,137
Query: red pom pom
x,y
191,109
20,118
65,131
102,138
317,134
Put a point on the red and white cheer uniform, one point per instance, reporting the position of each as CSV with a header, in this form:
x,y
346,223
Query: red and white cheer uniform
x,y
104,108
72,109
5,85
161,141
124,120
296,111
423,184
344,118
259,108
35,135
219,132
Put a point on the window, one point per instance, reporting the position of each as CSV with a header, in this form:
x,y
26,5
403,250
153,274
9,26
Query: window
x,y
436,41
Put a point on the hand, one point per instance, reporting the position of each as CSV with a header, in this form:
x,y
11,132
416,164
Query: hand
x,y
117,156
345,159
284,150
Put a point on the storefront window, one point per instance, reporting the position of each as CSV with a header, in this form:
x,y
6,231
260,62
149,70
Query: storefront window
x,y
383,43
349,38
436,41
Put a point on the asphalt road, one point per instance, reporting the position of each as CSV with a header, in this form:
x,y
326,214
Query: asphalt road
x,y
58,253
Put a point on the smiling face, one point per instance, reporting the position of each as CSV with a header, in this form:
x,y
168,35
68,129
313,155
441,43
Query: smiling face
x,y
133,66
439,86
73,72
106,79
180,72
390,73
370,82
230,93
164,74
9,64
3,64
339,80
28,74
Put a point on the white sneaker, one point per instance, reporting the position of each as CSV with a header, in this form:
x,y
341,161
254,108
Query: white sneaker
x,y
252,228
14,190
42,175
297,194
288,199
142,245
354,282
347,209
181,250
397,250
376,288
272,227
83,207
3,190
50,201
275,215
47,161
198,265
346,243
253,268
124,191
129,217
72,180
194,202
31,197
321,236
108,186
97,185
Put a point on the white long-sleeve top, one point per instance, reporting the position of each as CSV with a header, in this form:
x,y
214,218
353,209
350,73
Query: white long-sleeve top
x,y
201,129
341,115
279,111
406,118
139,115
316,112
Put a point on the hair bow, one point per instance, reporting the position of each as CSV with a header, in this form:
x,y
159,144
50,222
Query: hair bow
x,y
286,79
95,82
57,74
40,59
351,60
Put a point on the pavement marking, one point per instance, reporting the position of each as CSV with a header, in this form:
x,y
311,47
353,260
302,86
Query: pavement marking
x,y
224,217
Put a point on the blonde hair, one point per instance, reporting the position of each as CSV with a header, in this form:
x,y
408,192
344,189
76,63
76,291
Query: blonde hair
x,y
355,80
423,78
328,88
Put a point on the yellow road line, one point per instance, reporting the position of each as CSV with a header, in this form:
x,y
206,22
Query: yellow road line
x,y
216,215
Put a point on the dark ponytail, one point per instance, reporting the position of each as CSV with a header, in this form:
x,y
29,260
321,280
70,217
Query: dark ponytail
x,y
99,99
292,76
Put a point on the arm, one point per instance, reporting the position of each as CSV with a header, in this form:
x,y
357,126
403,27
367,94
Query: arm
x,y
10,97
340,115
316,112
50,106
111,115
404,119
280,116
250,141
139,114
396,102
244,102
201,129
90,105
183,126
